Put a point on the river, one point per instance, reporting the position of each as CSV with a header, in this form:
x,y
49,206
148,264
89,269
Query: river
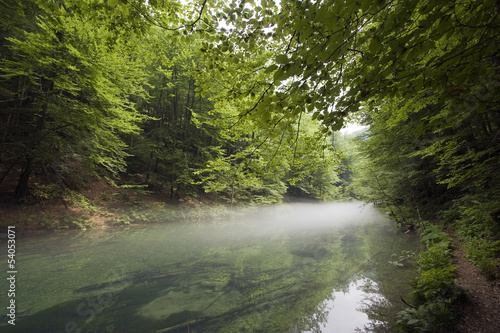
x,y
334,267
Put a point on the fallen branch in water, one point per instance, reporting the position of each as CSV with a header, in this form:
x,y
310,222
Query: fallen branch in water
x,y
229,312
176,327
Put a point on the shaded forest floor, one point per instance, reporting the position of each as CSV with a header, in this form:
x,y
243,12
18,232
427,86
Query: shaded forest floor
x,y
102,205
480,313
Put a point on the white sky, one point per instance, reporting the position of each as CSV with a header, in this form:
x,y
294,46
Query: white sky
x,y
351,127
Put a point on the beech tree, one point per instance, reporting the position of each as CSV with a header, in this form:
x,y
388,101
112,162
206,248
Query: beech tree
x,y
69,94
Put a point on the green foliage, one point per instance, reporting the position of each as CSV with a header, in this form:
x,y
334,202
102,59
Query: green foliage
x,y
80,201
255,164
371,52
436,256
478,231
434,287
432,234
436,270
434,283
428,318
68,98
47,192
158,213
484,254
238,183
82,222
48,222
105,196
131,192
157,90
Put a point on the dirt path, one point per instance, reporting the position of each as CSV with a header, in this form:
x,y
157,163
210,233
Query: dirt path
x,y
481,314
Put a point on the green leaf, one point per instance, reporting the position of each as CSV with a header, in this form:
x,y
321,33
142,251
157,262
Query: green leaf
x,y
271,68
279,76
375,45
282,59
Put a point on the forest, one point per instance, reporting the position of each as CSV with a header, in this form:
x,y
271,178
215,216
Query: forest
x,y
242,102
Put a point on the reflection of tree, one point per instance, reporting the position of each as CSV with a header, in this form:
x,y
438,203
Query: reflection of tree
x,y
302,292
294,294
367,251
387,282
313,322
374,305
287,280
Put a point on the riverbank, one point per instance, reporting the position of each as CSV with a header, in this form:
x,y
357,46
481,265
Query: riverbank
x,y
457,287
103,205
54,216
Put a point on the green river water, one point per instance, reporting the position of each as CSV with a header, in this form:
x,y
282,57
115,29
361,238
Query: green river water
x,y
337,267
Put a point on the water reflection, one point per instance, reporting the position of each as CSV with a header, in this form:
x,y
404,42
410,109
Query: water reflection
x,y
346,310
270,271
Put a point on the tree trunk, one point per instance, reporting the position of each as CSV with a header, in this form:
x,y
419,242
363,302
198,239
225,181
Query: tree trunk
x,y
22,184
6,173
24,177
173,176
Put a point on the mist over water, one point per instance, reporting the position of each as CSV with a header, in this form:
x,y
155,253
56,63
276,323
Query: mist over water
x,y
287,268
315,216
297,218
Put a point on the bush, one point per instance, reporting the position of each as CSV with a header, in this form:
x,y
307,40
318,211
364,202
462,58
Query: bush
x,y
436,283
434,287
430,317
484,254
436,256
478,231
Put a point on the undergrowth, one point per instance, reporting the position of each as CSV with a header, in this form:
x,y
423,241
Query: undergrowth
x,y
124,207
435,290
157,213
477,227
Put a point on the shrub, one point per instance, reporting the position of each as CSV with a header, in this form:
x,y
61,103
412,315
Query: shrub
x,y
477,230
434,287
432,317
